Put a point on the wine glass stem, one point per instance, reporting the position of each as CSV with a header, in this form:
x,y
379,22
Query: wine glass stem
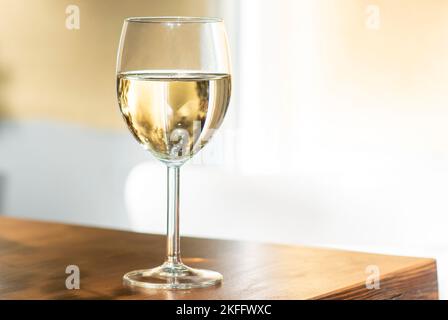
x,y
173,238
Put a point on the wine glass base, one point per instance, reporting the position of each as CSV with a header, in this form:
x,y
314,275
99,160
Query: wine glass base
x,y
173,276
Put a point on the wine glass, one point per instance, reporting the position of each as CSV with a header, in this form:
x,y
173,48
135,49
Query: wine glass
x,y
173,88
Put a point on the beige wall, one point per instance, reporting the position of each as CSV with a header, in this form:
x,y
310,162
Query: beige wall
x,y
50,72
393,80
406,56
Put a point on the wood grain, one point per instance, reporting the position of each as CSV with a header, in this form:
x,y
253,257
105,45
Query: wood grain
x,y
34,256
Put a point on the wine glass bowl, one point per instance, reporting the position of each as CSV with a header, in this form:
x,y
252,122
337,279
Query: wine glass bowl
x,y
173,115
173,89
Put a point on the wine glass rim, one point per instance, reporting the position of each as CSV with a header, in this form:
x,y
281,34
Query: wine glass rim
x,y
173,19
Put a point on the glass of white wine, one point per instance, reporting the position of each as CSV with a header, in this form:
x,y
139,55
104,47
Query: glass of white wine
x,y
173,88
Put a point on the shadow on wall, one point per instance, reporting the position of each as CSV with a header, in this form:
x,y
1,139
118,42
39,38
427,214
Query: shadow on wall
x,y
3,81
4,113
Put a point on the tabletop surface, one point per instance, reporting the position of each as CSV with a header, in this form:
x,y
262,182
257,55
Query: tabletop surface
x,y
34,257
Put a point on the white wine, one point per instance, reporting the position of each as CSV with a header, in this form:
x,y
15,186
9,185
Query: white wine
x,y
173,115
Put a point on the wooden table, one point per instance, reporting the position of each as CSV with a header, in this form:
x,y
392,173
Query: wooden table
x,y
34,256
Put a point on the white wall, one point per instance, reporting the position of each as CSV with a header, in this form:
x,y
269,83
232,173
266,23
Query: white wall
x,y
65,172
